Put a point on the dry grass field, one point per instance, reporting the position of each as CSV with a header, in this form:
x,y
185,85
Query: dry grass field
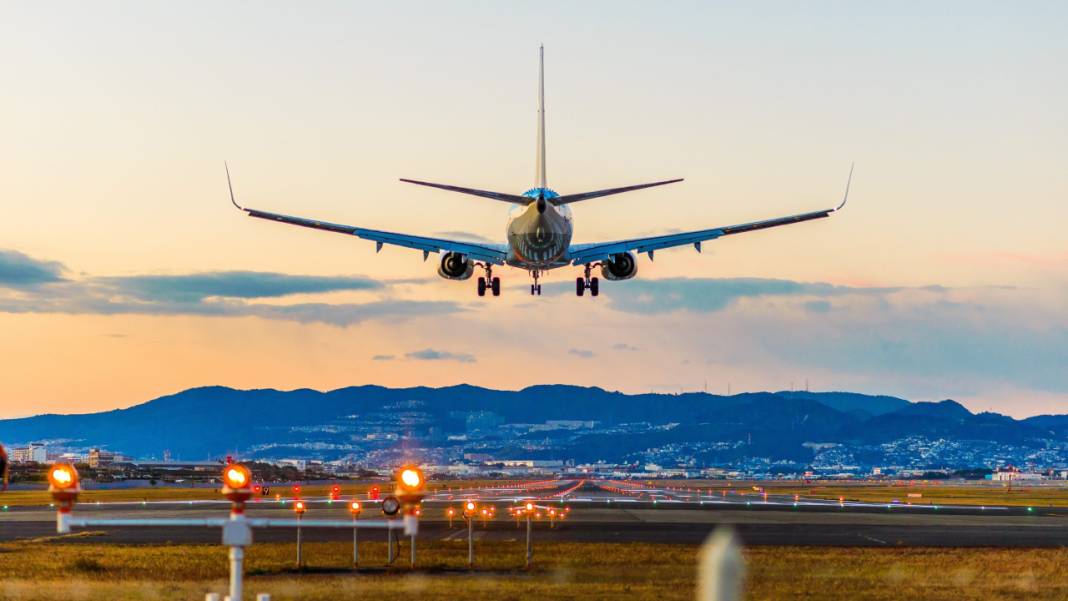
x,y
930,493
50,569
40,496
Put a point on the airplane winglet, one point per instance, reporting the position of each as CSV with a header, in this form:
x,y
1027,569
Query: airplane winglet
x,y
845,196
231,186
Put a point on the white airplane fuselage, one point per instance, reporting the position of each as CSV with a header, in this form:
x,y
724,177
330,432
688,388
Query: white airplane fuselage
x,y
539,234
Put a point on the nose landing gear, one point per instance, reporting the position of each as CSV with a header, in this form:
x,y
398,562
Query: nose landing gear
x,y
582,284
535,288
489,281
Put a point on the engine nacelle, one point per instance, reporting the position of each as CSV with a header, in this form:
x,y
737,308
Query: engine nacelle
x,y
619,267
455,266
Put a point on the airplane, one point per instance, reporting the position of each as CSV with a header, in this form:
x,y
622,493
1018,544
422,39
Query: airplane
x,y
539,230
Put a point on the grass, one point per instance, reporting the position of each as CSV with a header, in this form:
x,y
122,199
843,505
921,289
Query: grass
x,y
624,571
14,498
977,493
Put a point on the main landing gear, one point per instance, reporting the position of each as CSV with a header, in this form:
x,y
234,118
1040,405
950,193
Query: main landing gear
x,y
489,281
584,283
535,288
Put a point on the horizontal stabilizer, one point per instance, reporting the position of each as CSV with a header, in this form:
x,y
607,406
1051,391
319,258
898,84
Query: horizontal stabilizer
x,y
512,198
563,200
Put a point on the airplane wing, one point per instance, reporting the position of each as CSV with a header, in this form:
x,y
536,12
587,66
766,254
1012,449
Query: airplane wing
x,y
569,198
480,252
502,196
581,254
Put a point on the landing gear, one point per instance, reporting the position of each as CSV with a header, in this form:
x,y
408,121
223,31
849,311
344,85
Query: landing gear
x,y
582,284
535,288
489,281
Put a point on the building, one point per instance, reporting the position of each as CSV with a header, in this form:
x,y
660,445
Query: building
x,y
100,458
34,453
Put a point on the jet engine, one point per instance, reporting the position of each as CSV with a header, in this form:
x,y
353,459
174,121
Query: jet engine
x,y
455,266
619,267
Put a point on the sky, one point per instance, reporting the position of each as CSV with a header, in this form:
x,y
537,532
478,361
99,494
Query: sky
x,y
125,273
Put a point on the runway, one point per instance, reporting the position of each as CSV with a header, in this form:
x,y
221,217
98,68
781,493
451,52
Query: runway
x,y
600,512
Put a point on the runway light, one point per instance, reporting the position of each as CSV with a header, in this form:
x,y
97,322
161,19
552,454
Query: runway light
x,y
299,508
237,476
411,478
63,476
530,507
355,508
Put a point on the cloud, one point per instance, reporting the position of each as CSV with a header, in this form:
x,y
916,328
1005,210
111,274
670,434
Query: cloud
x,y
231,284
706,295
435,355
42,289
383,358
623,346
578,352
18,270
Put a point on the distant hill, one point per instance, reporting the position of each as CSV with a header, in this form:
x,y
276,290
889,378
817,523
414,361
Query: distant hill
x,y
212,421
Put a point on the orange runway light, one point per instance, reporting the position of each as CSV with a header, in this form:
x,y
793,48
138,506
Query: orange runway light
x,y
63,477
299,507
355,508
237,476
530,507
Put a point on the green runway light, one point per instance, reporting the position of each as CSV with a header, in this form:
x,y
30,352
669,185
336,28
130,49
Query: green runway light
x,y
1030,509
5,507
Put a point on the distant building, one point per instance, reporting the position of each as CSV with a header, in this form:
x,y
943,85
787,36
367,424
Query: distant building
x,y
482,422
1012,474
33,453
100,458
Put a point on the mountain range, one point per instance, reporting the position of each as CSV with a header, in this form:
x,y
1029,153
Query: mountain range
x,y
549,421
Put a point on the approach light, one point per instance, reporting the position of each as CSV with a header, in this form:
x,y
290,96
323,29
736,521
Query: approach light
x,y
63,477
411,477
355,508
530,506
299,508
236,476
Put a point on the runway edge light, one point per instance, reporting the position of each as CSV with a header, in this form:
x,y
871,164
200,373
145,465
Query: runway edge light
x,y
410,490
63,483
237,486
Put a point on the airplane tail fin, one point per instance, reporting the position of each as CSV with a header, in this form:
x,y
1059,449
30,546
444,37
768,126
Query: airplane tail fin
x,y
501,196
568,198
540,160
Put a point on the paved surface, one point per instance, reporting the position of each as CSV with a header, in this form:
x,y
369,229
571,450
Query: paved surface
x,y
604,512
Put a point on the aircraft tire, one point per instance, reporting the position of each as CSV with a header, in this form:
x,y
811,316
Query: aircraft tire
x,y
481,286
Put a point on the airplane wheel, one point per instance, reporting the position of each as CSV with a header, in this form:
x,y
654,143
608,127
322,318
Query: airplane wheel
x,y
595,286
495,285
482,286
539,289
580,286
532,288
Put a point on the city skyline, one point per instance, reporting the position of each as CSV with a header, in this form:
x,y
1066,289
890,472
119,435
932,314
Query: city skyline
x,y
125,274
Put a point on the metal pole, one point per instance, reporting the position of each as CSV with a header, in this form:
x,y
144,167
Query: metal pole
x,y
389,546
470,542
413,550
300,559
355,545
237,558
720,568
530,548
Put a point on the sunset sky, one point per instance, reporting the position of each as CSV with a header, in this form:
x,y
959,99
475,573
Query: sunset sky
x,y
125,273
